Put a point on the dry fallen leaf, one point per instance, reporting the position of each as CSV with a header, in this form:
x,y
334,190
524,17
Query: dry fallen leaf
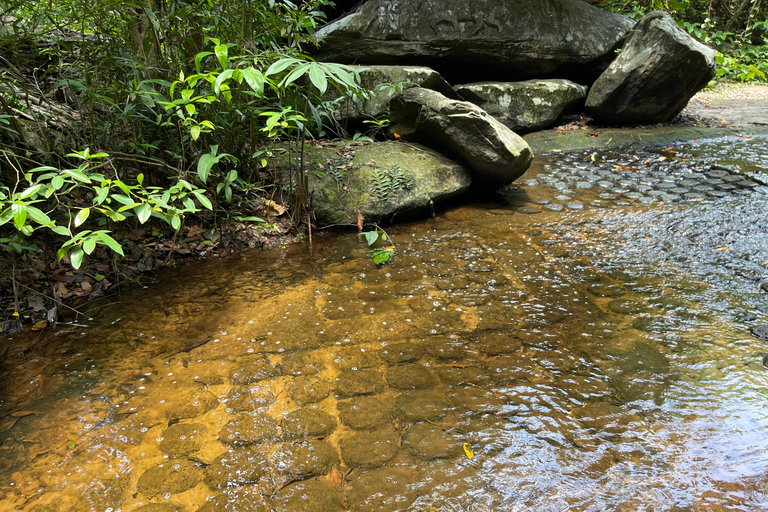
x,y
21,414
359,221
39,326
272,209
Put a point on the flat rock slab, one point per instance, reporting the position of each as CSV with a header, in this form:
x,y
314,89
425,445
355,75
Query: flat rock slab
x,y
422,405
191,404
365,412
370,449
249,398
252,369
305,459
523,39
397,353
173,476
238,467
307,423
760,331
410,376
495,154
248,429
359,382
428,442
182,439
525,106
382,490
307,390
307,496
241,501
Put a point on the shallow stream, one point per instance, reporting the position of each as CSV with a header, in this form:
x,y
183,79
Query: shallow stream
x,y
581,342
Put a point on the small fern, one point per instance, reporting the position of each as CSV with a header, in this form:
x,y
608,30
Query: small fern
x,y
390,181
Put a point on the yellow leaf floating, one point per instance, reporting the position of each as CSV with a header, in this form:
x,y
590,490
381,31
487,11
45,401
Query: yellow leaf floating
x,y
721,249
469,451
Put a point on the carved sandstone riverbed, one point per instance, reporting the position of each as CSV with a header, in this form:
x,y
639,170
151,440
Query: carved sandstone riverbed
x,y
590,359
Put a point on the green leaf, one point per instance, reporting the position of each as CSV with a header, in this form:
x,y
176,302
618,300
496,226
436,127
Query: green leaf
x,y
38,216
79,176
225,75
31,191
198,58
81,216
89,245
57,182
281,65
254,79
61,230
19,215
101,194
205,164
382,256
127,201
221,52
143,212
110,242
370,237
294,75
6,216
250,219
175,222
203,200
140,179
317,77
195,132
76,256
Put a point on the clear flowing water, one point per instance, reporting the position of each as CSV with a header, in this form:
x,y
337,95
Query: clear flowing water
x,y
538,352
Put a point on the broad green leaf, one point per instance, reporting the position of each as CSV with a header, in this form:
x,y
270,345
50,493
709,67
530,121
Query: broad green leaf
x,y
81,216
251,219
31,191
76,256
101,194
143,212
190,108
127,201
6,216
225,75
175,222
370,237
205,164
57,182
89,245
255,80
194,132
317,77
61,230
198,58
222,52
294,75
38,216
189,204
19,215
140,179
281,65
203,200
79,176
111,243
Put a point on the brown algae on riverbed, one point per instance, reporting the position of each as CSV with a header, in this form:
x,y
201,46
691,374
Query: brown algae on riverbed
x,y
589,357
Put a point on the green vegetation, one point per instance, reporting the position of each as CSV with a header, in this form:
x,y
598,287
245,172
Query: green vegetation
x,y
736,29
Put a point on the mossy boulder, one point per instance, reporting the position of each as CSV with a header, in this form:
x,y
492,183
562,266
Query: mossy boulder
x,y
382,180
525,106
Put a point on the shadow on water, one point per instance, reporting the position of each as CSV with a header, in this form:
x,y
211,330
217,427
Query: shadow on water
x,y
579,342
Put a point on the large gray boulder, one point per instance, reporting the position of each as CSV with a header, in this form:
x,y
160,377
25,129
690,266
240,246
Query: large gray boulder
x,y
658,70
384,180
525,106
485,39
383,82
495,154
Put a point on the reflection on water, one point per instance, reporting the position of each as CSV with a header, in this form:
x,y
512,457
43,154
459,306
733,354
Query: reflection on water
x,y
514,356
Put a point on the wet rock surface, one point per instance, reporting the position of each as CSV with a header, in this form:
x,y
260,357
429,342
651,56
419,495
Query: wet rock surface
x,y
182,439
251,369
359,382
194,403
398,353
248,429
306,458
422,405
173,477
366,412
307,496
233,500
410,376
381,490
249,398
307,423
237,467
427,441
306,390
370,449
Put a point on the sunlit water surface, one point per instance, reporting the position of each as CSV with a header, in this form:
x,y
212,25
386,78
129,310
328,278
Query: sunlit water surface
x,y
511,357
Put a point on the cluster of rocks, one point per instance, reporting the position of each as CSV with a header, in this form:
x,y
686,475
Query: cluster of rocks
x,y
530,63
